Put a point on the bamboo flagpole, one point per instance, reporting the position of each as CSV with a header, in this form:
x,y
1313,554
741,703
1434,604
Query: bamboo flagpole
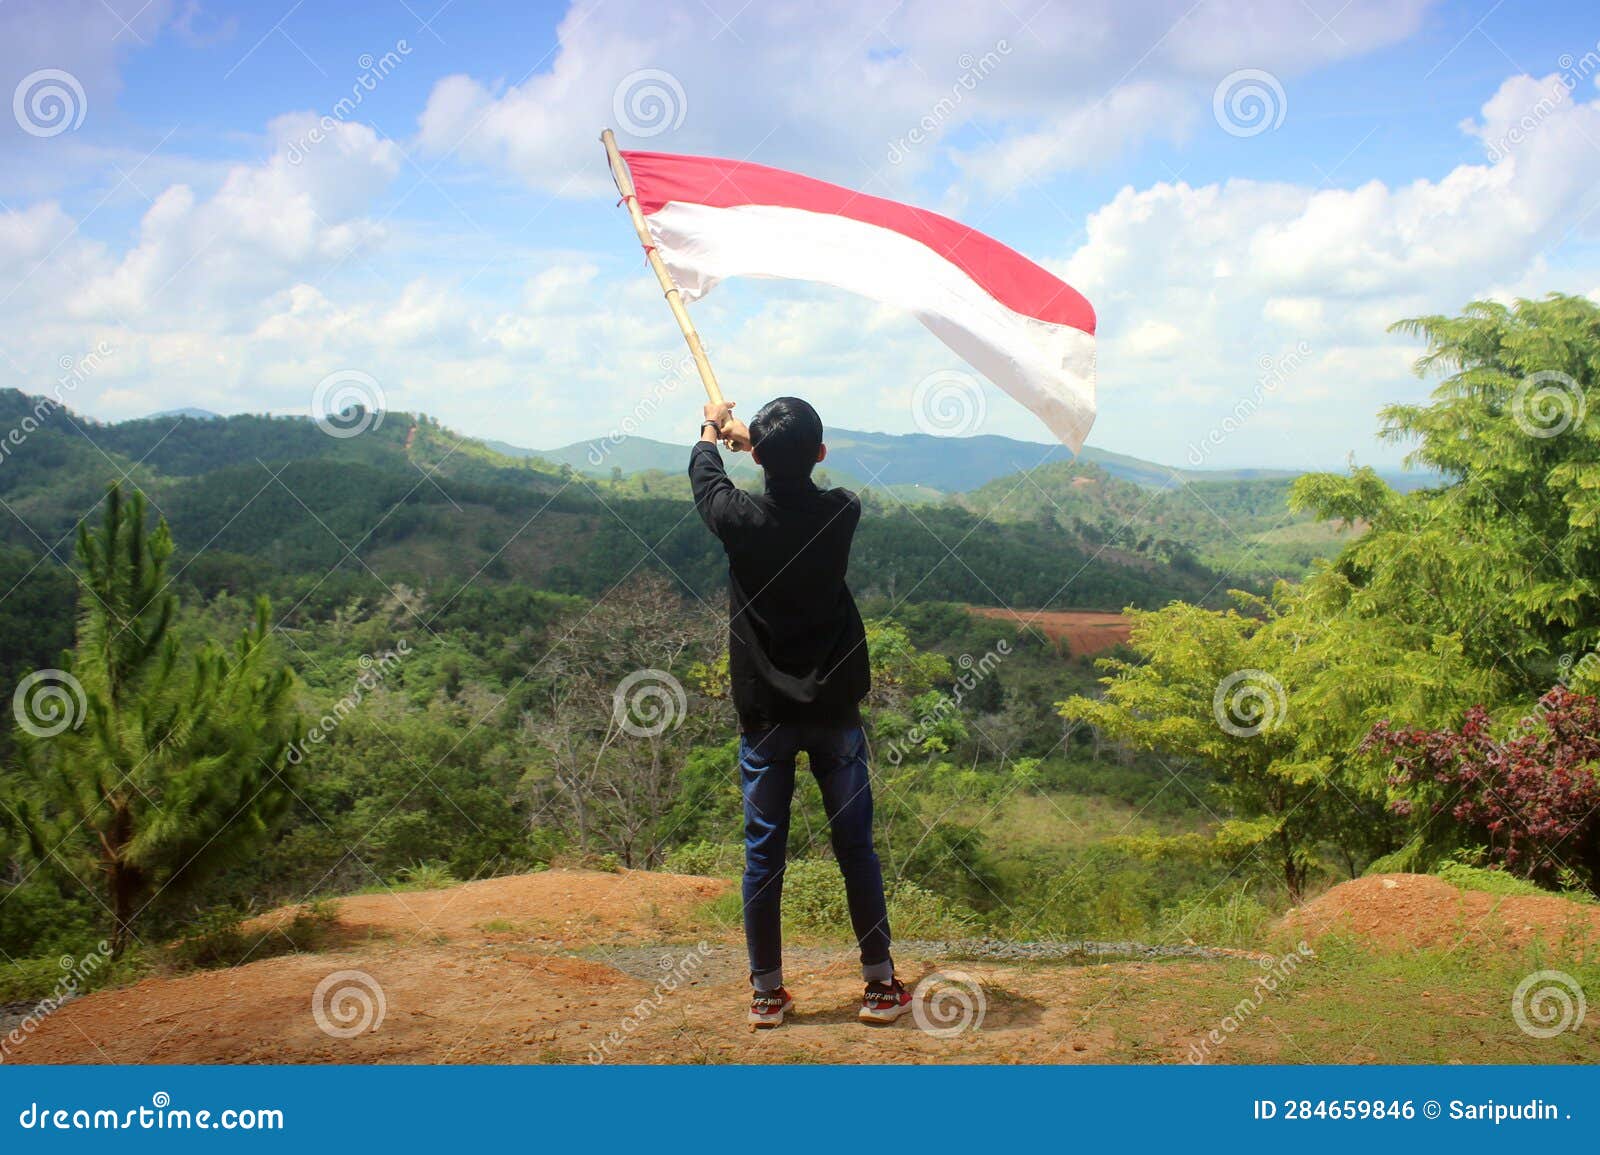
x,y
624,179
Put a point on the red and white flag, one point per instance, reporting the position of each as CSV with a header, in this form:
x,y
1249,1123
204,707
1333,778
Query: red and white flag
x,y
1025,329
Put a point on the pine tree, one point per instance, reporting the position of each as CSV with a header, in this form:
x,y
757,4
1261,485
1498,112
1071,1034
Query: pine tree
x,y
174,768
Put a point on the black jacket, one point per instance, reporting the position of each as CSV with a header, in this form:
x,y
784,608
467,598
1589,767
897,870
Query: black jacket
x,y
796,648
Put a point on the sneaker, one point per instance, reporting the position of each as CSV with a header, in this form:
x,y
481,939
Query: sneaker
x,y
884,1002
767,1007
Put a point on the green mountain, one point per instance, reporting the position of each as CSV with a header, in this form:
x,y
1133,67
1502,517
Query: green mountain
x,y
276,504
1241,526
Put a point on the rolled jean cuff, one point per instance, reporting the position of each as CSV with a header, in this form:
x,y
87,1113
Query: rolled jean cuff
x,y
878,972
767,980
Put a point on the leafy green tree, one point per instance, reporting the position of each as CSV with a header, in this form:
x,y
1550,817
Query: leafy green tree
x,y
1206,687
1478,590
1505,556
1276,698
173,769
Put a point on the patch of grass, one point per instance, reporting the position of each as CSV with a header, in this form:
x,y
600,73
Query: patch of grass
x,y
311,925
918,913
815,909
725,912
216,938
1347,1004
499,926
1234,919
1500,882
714,859
1032,821
424,876
607,862
75,973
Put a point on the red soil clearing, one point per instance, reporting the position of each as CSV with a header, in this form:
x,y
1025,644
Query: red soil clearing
x,y
1083,631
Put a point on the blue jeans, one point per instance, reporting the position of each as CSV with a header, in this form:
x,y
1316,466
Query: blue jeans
x,y
766,769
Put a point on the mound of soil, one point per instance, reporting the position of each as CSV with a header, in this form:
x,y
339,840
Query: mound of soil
x,y
581,906
1421,911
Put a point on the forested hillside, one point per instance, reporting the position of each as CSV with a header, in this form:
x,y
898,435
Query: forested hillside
x,y
263,499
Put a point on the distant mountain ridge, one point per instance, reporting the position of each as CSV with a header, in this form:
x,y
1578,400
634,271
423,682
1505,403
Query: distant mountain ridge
x,y
905,462
944,464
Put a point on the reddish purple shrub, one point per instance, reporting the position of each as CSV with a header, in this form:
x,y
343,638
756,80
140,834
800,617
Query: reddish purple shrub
x,y
1533,799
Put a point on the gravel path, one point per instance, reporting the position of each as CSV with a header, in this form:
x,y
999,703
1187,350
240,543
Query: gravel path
x,y
720,963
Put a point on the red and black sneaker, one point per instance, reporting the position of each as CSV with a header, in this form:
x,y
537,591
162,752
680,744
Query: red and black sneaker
x,y
884,1002
767,1007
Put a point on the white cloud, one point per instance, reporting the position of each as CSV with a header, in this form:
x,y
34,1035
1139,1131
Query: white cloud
x,y
28,236
861,83
1250,270
217,258
1093,136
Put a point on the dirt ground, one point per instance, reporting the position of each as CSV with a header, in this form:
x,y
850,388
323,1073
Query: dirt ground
x,y
486,973
576,966
1085,632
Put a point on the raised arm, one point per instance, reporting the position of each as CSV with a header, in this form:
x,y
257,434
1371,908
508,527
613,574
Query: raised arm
x,y
720,502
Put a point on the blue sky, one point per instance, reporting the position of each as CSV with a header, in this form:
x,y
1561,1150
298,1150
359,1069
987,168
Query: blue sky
x,y
452,238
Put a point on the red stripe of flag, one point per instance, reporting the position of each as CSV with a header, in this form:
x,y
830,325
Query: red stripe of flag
x,y
1005,274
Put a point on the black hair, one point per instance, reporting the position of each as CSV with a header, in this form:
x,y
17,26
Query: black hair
x,y
787,433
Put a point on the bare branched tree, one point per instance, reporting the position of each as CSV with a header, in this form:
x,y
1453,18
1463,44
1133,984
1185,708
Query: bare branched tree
x,y
619,715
